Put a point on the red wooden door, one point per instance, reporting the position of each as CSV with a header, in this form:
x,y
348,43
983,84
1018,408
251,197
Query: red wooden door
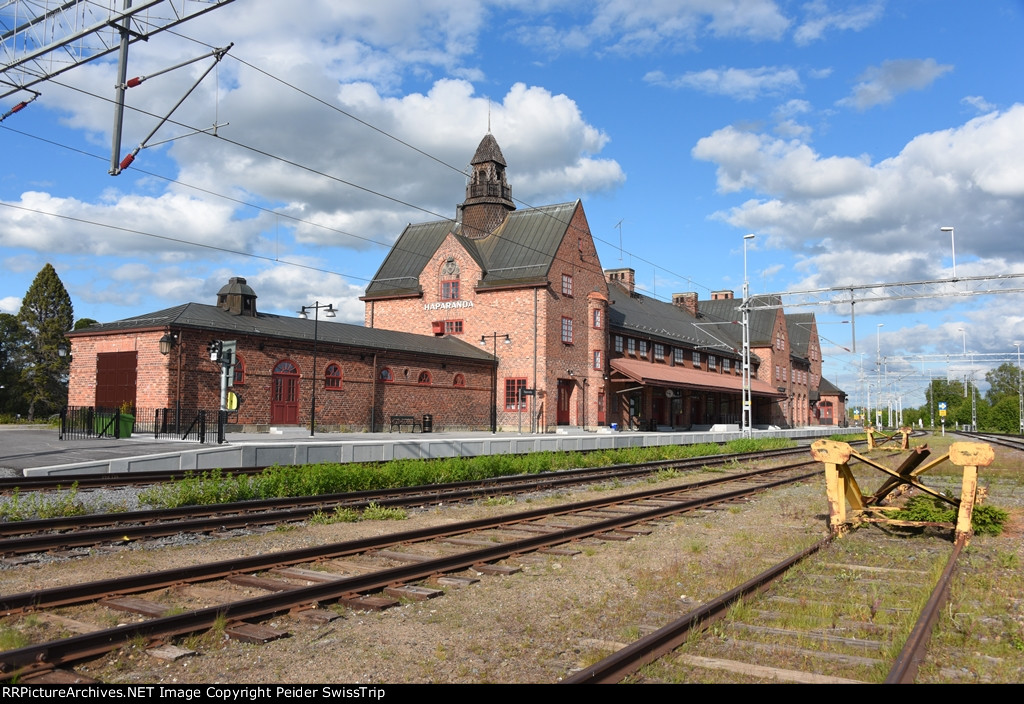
x,y
601,412
564,398
284,394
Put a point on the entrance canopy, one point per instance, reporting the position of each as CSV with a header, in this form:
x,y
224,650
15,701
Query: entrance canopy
x,y
683,378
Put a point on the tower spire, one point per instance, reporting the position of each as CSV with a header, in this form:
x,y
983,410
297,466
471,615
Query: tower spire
x,y
488,195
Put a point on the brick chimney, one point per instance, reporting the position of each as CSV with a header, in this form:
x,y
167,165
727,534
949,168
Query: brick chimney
x,y
722,295
687,301
626,278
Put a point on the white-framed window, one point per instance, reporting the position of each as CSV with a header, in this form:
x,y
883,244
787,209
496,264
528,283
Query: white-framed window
x,y
659,351
712,362
618,344
696,359
450,290
678,355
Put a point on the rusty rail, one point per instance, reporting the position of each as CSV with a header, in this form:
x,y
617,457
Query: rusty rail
x,y
628,660
38,535
23,661
904,671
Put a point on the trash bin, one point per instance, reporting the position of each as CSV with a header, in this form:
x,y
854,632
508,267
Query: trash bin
x,y
615,426
428,423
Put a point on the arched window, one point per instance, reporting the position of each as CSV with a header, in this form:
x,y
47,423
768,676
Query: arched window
x,y
386,376
286,367
424,378
332,377
239,379
459,380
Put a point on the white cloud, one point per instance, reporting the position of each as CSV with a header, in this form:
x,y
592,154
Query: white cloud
x,y
881,84
129,224
10,304
978,103
738,83
857,220
283,290
628,27
355,182
821,18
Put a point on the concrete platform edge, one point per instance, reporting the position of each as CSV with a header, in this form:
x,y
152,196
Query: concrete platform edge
x,y
264,453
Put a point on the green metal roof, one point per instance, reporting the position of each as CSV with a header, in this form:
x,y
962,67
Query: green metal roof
x,y
762,320
218,321
520,251
643,315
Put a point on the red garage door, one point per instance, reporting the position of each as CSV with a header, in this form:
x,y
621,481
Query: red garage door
x,y
115,378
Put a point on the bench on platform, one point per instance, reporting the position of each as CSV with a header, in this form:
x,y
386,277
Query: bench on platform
x,y
404,420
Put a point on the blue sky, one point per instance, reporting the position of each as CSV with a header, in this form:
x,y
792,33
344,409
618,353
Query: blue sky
x,y
843,135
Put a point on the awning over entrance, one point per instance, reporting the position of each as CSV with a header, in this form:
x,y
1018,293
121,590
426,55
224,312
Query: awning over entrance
x,y
683,378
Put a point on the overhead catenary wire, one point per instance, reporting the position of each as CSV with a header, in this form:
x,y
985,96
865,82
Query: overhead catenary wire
x,y
323,174
426,154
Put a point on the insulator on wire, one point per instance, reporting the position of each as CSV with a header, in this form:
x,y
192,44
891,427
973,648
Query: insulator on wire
x,y
133,82
17,108
127,161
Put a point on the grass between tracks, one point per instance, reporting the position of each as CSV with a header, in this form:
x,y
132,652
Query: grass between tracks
x,y
219,486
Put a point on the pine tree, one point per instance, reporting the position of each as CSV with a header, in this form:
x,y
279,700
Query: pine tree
x,y
46,315
13,344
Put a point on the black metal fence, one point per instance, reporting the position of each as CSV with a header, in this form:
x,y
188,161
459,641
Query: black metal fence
x,y
195,424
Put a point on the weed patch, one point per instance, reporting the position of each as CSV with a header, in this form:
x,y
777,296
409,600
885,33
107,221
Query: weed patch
x,y
60,505
217,486
985,519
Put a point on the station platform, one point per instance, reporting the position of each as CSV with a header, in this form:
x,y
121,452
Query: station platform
x,y
35,451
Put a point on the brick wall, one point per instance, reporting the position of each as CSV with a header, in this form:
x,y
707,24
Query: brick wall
x,y
152,377
530,315
348,406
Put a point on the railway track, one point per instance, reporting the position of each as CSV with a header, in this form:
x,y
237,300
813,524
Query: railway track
x,y
1013,442
834,613
82,532
413,565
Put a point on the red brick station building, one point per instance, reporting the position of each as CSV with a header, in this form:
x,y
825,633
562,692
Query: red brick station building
x,y
498,319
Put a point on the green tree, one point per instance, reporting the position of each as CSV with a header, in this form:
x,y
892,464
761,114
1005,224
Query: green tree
x,y
83,323
949,392
13,340
1003,381
46,315
1005,416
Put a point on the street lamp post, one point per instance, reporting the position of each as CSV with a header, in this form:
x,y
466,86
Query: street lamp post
x,y
494,376
329,312
747,420
1020,391
878,372
952,240
964,333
